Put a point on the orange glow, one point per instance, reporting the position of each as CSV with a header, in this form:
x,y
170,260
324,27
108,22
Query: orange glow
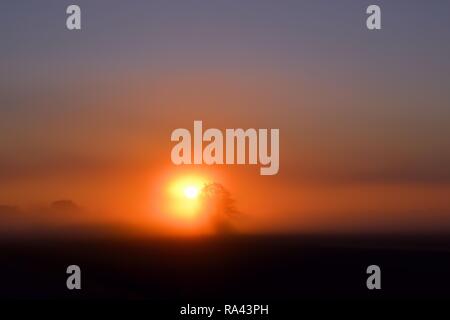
x,y
191,192
184,196
336,183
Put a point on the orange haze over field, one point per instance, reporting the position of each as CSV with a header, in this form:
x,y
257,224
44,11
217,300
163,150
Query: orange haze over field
x,y
363,117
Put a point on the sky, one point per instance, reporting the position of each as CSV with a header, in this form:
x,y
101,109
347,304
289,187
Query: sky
x,y
363,115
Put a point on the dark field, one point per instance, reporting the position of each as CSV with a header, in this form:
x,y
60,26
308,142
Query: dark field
x,y
219,269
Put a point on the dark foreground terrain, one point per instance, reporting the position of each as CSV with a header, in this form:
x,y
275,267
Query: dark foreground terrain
x,y
234,268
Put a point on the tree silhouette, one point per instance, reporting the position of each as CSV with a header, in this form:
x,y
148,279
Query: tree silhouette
x,y
220,206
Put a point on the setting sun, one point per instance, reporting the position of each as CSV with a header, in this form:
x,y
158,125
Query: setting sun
x,y
184,196
191,192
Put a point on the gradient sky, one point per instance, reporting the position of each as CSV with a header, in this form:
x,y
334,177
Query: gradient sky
x,y
364,116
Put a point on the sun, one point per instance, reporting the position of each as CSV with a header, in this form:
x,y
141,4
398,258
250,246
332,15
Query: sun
x,y
184,196
191,192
